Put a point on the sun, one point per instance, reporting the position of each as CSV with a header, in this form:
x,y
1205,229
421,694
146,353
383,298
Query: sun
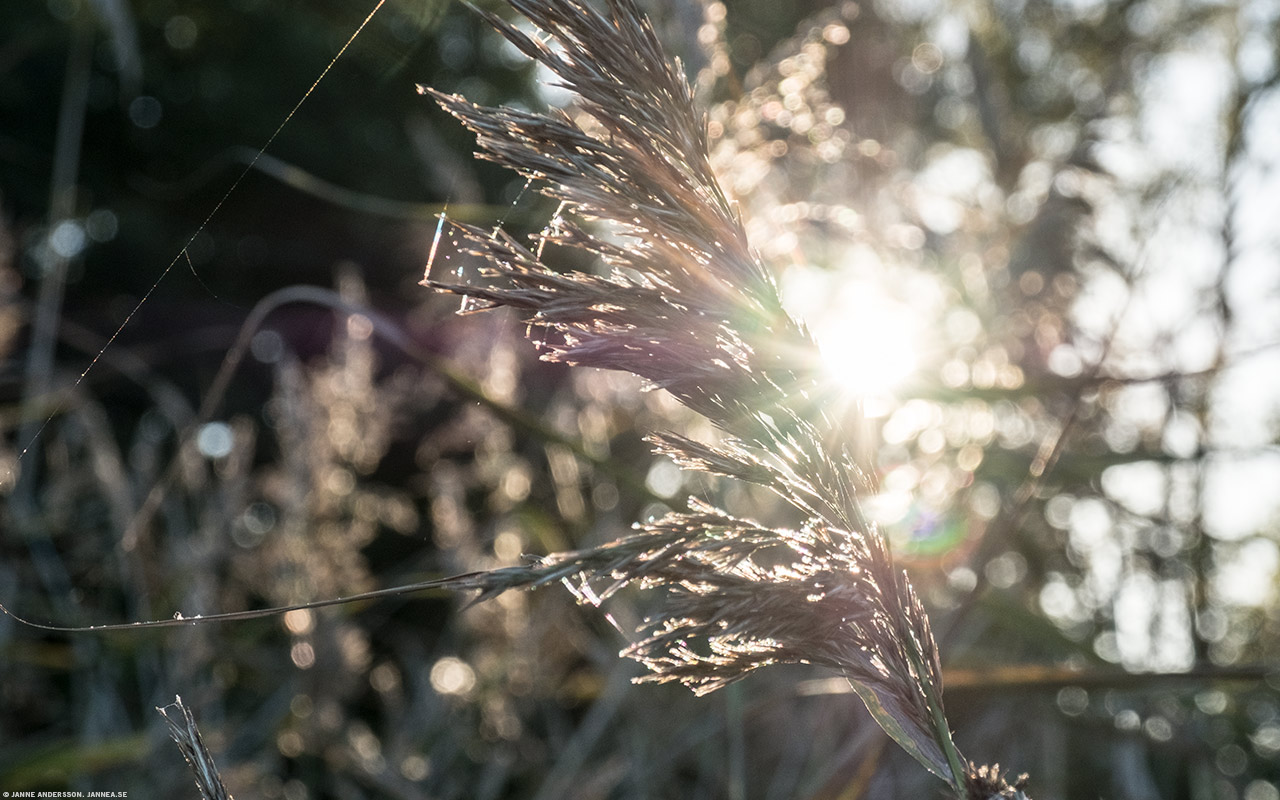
x,y
869,339
870,350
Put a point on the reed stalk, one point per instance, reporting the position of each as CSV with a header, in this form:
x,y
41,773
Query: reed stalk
x,y
684,302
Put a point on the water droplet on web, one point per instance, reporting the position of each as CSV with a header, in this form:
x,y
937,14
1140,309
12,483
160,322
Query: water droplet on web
x,y
553,228
445,265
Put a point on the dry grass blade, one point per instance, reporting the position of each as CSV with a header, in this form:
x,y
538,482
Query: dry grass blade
x,y
686,304
187,735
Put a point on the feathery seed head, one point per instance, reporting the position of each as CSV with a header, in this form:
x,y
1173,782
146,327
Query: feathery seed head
x,y
687,305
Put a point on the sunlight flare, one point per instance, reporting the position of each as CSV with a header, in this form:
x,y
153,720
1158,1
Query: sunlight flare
x,y
868,339
869,351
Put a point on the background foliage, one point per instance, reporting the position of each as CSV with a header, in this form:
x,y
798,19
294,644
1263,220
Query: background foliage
x,y
1075,200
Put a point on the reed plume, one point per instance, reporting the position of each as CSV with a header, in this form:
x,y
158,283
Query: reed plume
x,y
687,305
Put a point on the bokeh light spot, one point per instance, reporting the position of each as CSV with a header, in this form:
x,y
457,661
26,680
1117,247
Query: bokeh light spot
x,y
215,440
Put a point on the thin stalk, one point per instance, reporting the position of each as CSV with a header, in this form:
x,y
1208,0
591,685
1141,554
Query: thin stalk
x,y
38,376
